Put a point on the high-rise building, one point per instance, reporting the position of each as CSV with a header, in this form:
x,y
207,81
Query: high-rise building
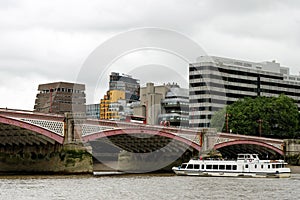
x,y
216,82
60,97
125,83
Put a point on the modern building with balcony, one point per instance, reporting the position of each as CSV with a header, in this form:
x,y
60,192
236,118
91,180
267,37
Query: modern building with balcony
x,y
108,108
175,107
123,93
216,82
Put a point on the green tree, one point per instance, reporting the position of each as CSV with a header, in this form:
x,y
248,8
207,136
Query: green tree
x,y
276,117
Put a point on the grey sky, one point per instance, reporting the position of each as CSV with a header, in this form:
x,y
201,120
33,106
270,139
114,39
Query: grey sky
x,y
45,41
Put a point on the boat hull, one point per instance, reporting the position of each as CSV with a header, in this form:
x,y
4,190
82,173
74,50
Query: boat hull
x,y
181,172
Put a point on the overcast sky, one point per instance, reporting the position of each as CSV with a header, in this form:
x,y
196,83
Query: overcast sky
x,y
46,41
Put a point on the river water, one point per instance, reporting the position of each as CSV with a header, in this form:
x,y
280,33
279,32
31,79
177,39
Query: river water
x,y
153,186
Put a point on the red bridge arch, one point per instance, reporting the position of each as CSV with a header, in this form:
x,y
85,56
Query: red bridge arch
x,y
31,127
248,142
133,131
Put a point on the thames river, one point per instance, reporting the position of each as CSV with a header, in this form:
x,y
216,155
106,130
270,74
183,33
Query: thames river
x,y
153,186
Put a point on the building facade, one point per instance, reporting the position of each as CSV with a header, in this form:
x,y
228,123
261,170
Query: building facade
x,y
108,105
175,107
126,83
60,97
163,104
216,82
150,104
93,111
123,93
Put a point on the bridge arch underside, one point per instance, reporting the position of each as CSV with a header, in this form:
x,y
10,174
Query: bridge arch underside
x,y
140,151
264,150
144,141
12,135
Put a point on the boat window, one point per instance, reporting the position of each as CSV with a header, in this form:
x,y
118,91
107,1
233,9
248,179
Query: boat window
x,y
240,156
202,166
234,167
278,166
196,166
183,166
255,166
221,166
254,156
273,166
248,156
262,166
190,166
269,166
208,166
215,166
228,167
246,166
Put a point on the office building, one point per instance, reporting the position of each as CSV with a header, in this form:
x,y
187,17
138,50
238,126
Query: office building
x,y
216,82
60,97
93,111
126,83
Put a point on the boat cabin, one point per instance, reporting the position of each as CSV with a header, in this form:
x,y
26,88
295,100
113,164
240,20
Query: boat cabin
x,y
248,157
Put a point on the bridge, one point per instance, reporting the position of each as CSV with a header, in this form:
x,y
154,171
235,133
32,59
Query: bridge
x,y
39,133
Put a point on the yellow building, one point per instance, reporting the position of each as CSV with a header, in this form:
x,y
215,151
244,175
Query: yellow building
x,y
112,96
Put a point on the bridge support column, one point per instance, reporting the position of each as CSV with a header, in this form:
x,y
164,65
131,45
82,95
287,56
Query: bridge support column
x,y
73,145
209,139
292,151
73,127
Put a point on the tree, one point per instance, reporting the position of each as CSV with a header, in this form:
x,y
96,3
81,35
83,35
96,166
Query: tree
x,y
276,117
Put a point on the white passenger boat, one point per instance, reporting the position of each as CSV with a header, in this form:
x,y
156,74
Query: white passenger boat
x,y
246,165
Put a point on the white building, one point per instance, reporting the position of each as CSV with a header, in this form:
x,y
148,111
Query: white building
x,y
216,82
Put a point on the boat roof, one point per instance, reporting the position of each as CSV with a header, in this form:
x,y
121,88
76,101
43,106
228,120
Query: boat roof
x,y
247,154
